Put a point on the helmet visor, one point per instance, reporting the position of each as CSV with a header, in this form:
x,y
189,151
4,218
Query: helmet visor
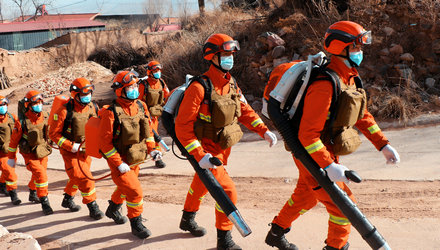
x,y
36,98
364,38
230,46
4,101
87,89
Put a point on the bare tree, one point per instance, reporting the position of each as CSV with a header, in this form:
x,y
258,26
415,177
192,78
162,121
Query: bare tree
x,y
22,6
1,11
184,12
202,7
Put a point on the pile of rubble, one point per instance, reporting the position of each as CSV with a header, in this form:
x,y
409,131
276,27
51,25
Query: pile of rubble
x,y
56,82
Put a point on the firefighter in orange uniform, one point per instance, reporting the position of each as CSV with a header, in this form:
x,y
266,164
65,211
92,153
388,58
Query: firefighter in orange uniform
x,y
126,137
30,135
153,91
344,41
8,122
67,129
198,123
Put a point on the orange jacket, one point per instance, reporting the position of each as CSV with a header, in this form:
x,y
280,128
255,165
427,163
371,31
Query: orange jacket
x,y
106,130
5,119
316,109
154,84
191,107
35,118
56,128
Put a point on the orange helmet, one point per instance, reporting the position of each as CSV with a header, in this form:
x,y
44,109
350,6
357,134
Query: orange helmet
x,y
219,43
4,100
344,33
123,79
152,66
32,97
81,85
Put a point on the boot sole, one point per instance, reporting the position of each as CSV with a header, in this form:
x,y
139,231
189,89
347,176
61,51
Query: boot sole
x,y
16,202
119,222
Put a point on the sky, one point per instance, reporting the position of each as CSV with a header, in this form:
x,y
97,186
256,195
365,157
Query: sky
x,y
104,7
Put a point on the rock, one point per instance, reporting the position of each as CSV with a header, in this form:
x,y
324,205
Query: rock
x,y
255,65
265,69
430,82
434,69
384,52
19,241
388,31
3,230
284,30
396,49
278,51
404,71
279,61
295,57
407,57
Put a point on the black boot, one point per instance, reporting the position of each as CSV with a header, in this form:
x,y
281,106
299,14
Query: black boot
x,y
275,238
94,210
160,164
113,213
3,189
138,229
70,204
225,242
45,205
332,248
187,223
14,197
33,196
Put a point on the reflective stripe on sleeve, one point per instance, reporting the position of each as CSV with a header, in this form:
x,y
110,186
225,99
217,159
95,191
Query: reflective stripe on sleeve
x,y
150,139
61,141
10,183
218,208
339,220
374,129
13,150
193,145
110,153
256,122
206,118
312,148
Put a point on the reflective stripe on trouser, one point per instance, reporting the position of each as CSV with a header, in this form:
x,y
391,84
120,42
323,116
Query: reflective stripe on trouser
x,y
8,174
38,167
77,180
197,191
128,188
304,198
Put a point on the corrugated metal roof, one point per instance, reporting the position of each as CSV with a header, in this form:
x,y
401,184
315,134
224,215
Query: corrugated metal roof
x,y
57,17
48,25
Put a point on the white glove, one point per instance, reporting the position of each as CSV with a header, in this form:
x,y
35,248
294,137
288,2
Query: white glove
x,y
205,163
75,147
123,168
271,138
336,172
156,155
11,163
390,154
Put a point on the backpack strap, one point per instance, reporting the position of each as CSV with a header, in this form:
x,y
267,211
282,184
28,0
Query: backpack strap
x,y
69,115
116,122
162,82
11,117
207,85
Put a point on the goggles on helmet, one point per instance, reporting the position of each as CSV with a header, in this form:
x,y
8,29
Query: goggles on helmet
x,y
228,46
155,67
4,101
363,38
84,90
35,98
130,76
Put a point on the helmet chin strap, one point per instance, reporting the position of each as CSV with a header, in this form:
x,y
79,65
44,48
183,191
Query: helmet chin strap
x,y
218,66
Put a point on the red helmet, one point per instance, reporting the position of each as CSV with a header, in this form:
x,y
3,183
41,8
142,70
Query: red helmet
x,y
123,79
81,85
4,100
152,66
219,43
32,97
344,33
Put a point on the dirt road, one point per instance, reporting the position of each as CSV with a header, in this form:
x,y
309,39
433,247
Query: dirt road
x,y
402,202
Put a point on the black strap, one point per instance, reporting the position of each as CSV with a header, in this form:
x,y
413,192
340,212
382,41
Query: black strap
x,y
206,84
69,115
11,116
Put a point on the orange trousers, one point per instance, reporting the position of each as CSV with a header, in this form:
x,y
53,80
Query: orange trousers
x,y
197,192
155,125
305,196
128,188
38,167
8,175
77,180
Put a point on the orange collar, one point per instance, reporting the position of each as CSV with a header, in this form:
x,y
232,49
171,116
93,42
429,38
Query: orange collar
x,y
217,77
338,65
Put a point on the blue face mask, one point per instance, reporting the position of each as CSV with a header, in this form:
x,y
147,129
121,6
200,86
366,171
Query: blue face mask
x,y
356,57
86,99
227,62
3,109
157,75
37,108
132,94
